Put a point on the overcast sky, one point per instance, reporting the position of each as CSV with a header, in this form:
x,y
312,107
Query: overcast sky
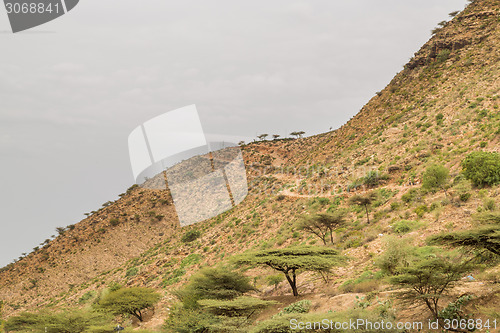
x,y
73,89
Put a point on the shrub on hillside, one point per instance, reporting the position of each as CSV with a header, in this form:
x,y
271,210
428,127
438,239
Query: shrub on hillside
x,y
189,320
302,306
373,178
435,177
411,195
482,168
397,253
465,196
129,301
454,309
240,306
114,222
190,236
421,210
77,321
443,56
213,283
368,281
404,226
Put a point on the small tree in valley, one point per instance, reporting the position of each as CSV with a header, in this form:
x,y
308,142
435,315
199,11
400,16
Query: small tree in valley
x,y
290,261
429,279
129,301
365,201
480,238
213,283
322,225
436,177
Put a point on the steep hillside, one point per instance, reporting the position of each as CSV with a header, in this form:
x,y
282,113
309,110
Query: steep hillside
x,y
440,107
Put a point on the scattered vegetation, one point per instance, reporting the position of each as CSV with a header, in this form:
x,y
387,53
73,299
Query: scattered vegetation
x,y
482,168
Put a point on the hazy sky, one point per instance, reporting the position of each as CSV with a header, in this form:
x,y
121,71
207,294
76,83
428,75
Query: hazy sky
x,y
73,89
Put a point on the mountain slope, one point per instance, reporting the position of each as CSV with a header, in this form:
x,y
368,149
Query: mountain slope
x,y
441,106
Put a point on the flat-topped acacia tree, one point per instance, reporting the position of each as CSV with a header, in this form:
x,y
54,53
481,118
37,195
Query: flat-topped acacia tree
x,y
290,261
427,280
480,238
322,224
129,301
485,237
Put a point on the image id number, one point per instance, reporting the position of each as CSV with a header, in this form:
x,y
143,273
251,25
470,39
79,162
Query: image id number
x,y
31,8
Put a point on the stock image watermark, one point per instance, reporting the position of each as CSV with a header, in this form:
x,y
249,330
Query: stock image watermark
x,y
205,178
27,14
365,324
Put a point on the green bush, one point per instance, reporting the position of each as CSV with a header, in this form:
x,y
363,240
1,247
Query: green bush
x,y
275,280
439,118
454,309
302,306
421,210
132,271
394,205
435,176
129,301
70,321
87,296
213,283
114,222
482,168
240,306
183,320
190,236
443,55
404,226
368,281
373,178
489,204
465,196
397,253
410,196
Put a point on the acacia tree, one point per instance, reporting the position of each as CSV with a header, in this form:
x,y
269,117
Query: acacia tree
x,y
262,136
429,279
290,261
365,201
129,301
298,134
481,238
213,283
322,224
275,136
69,321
